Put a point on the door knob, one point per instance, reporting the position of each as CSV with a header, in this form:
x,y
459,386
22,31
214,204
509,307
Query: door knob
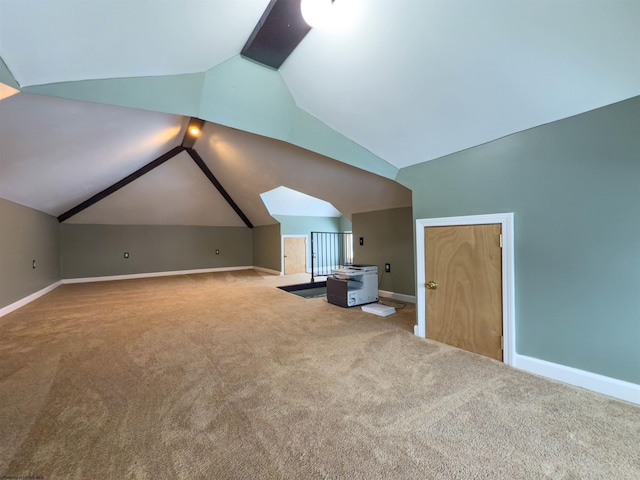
x,y
432,285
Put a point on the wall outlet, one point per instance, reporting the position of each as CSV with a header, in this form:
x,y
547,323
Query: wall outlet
x,y
361,240
387,267
126,254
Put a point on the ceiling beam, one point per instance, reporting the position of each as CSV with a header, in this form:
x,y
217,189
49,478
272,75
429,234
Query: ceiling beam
x,y
205,169
190,137
118,185
278,32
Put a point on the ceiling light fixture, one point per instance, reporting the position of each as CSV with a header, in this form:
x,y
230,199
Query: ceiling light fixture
x,y
193,131
317,13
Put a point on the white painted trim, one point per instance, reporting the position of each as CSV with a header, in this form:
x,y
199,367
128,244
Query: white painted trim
x,y
133,276
592,381
397,296
34,296
508,269
307,246
267,270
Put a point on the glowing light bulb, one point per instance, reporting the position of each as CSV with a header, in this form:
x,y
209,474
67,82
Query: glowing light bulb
x,y
195,131
317,13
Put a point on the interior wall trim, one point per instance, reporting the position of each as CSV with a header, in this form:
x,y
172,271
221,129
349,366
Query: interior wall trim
x,y
133,276
267,270
24,301
612,387
397,296
508,273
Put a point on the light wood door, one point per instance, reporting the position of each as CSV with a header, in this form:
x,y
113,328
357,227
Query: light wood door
x,y
464,298
295,255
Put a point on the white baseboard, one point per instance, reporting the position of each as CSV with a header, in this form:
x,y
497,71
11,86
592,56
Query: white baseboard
x,y
133,276
397,296
21,303
34,296
267,270
592,381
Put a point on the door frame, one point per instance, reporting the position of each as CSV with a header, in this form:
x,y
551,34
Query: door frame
x,y
508,276
306,253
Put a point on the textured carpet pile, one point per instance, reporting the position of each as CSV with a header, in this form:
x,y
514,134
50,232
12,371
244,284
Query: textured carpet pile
x,y
222,375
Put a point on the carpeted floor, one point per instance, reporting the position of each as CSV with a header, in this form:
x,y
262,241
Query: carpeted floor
x,y
222,375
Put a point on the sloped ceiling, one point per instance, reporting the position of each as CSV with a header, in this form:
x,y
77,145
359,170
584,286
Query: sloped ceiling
x,y
65,40
416,80
176,193
57,153
405,82
246,163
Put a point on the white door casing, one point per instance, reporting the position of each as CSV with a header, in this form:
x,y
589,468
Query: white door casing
x,y
508,279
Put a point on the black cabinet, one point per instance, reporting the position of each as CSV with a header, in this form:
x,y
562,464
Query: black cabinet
x,y
337,291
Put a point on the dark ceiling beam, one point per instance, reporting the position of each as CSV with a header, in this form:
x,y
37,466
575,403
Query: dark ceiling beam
x,y
278,32
205,169
125,181
189,138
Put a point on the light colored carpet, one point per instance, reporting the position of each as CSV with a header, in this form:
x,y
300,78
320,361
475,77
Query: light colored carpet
x,y
224,376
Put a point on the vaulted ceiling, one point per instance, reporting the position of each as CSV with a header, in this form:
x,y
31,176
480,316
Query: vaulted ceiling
x,y
107,86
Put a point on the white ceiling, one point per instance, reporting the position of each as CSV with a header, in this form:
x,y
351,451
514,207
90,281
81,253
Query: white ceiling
x,y
56,153
416,80
47,41
176,192
407,80
248,165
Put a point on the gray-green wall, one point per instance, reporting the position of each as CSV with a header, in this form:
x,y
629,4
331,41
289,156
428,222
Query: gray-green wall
x,y
297,225
26,235
345,225
267,247
574,186
388,238
98,250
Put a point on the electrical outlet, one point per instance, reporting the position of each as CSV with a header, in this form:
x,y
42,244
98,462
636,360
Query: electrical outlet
x,y
387,267
217,251
361,240
126,254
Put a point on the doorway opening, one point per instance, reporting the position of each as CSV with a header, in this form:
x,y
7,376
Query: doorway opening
x,y
294,254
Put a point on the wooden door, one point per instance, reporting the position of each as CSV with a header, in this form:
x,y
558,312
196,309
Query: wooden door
x,y
295,255
463,270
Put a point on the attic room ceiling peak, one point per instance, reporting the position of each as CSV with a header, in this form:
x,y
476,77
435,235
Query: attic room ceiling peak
x,y
407,82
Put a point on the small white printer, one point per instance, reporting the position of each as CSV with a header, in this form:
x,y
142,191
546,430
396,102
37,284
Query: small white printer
x,y
353,285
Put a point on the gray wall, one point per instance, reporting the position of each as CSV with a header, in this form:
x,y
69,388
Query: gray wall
x,y
388,238
97,250
267,247
574,186
26,235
